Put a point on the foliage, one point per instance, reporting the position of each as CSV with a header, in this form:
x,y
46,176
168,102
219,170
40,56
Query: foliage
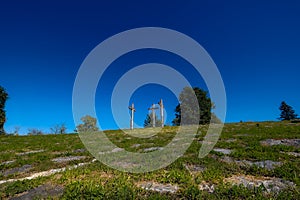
x,y
3,98
188,104
89,124
58,129
287,112
149,122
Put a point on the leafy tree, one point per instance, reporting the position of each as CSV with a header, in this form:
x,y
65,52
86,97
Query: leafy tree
x,y
89,124
58,129
149,122
187,102
3,98
287,112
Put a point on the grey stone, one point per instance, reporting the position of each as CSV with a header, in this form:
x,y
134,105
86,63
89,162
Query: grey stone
x,y
224,151
41,192
268,164
194,168
29,152
204,186
136,145
68,159
24,168
7,162
117,150
162,188
153,149
230,140
286,142
79,150
270,184
295,154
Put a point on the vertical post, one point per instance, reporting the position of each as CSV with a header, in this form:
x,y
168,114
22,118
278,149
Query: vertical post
x,y
132,115
152,108
161,106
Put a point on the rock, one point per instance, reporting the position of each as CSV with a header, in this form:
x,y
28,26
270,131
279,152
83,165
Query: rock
x,y
158,187
268,164
204,186
224,151
24,168
29,152
230,140
115,150
135,145
286,142
193,169
79,150
295,154
7,162
41,192
153,149
68,159
270,184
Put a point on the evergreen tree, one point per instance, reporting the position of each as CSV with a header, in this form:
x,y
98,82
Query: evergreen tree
x,y
287,112
3,98
205,104
149,122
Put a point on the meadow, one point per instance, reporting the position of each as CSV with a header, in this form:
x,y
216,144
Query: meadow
x,y
250,161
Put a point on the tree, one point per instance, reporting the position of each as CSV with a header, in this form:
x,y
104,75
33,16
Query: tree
x,y
3,98
89,124
34,131
287,112
187,102
58,129
149,122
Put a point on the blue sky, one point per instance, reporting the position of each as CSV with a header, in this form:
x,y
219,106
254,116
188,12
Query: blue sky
x,y
255,44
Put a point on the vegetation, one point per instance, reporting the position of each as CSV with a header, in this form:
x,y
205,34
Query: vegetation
x,y
287,112
89,124
3,98
58,129
149,121
188,173
187,102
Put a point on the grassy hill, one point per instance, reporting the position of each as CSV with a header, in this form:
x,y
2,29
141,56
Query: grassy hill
x,y
250,161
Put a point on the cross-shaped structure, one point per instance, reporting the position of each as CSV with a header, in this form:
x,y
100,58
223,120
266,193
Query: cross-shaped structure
x,y
132,115
153,108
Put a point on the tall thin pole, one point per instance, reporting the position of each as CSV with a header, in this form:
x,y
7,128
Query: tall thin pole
x,y
132,115
161,106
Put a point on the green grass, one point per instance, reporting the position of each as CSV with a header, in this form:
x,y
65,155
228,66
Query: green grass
x,y
97,181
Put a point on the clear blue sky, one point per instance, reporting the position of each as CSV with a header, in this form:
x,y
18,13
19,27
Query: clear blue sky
x,y
255,44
